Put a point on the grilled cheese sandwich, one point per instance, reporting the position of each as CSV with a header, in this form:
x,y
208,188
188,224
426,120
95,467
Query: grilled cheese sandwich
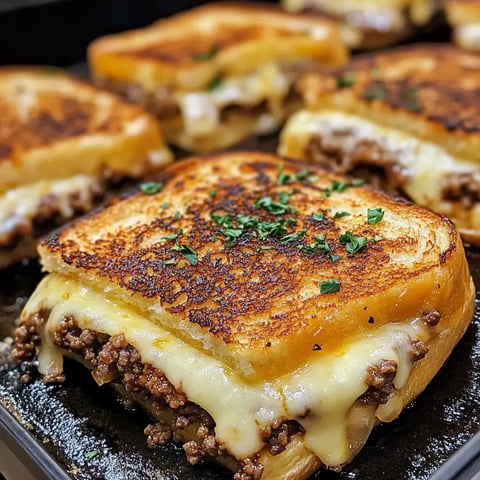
x,y
409,115
60,140
268,317
370,24
217,73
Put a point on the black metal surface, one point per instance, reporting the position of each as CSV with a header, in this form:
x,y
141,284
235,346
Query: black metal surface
x,y
86,430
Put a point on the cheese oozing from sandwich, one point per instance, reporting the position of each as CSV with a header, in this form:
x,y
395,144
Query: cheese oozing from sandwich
x,y
265,291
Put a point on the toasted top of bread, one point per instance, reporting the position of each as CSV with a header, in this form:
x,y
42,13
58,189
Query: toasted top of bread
x,y
54,125
462,12
428,90
262,304
189,49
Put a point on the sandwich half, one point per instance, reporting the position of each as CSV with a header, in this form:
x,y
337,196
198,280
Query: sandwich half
x,y
370,24
266,313
62,143
464,18
218,73
408,118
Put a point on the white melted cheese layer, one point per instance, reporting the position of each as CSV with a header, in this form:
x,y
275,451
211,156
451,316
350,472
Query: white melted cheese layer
x,y
22,204
201,110
468,36
319,394
424,165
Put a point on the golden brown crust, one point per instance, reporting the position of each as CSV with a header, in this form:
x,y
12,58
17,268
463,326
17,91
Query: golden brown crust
x,y
187,50
54,125
416,89
242,300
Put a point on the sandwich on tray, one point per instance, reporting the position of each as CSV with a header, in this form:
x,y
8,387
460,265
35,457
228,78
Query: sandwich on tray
x,y
62,143
370,24
265,312
218,73
464,18
408,118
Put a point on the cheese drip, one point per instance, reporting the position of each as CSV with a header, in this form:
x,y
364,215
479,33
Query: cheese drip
x,y
201,110
319,394
22,204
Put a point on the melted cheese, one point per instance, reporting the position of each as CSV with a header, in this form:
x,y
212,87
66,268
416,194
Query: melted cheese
x,y
201,110
319,394
468,36
423,178
21,205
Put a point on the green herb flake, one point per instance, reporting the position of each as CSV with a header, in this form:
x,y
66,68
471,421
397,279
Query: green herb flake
x,y
327,192
171,261
206,55
219,299
178,215
342,214
92,454
164,205
318,217
329,286
150,188
374,215
352,243
188,253
346,80
302,174
339,186
377,238
279,207
358,182
171,236
313,178
212,193
215,82
375,92
265,247
282,177
291,237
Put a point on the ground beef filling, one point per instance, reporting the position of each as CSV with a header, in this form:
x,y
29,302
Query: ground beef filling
x,y
368,160
114,360
162,104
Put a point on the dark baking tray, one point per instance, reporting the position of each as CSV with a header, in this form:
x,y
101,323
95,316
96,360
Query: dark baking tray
x,y
78,430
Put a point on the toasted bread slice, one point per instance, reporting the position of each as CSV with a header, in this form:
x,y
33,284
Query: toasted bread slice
x,y
59,137
304,301
410,112
370,24
217,73
464,18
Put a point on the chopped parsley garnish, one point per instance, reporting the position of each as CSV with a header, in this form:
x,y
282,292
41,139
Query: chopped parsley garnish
x,y
377,238
336,186
341,214
329,286
285,178
319,244
212,193
374,215
219,299
358,182
313,178
346,80
291,237
207,55
164,205
222,220
265,247
150,188
352,243
172,261
215,82
178,215
188,253
92,454
376,92
318,217
172,236
279,207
